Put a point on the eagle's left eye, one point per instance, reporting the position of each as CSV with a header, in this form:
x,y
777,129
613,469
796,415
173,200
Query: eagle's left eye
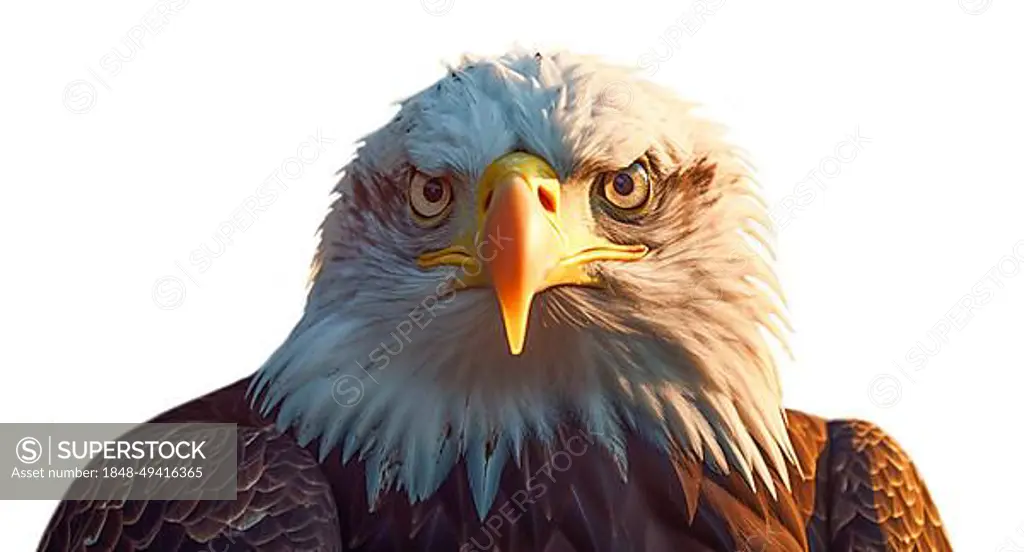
x,y
429,197
627,189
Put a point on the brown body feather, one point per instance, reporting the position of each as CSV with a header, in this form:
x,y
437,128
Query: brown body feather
x,y
854,490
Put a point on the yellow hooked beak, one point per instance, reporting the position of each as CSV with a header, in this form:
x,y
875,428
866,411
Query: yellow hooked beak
x,y
523,241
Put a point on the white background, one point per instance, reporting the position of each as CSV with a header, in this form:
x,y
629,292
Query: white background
x,y
114,175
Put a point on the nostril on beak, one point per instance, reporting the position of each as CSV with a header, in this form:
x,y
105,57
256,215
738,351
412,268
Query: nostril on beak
x,y
547,199
487,200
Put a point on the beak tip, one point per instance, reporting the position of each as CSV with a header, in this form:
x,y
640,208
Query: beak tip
x,y
514,318
515,335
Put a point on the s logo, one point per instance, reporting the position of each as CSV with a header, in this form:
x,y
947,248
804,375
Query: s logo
x,y
29,450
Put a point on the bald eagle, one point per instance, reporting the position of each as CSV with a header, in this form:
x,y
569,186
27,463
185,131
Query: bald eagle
x,y
540,318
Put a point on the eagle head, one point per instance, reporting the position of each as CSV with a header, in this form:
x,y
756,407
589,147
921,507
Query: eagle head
x,y
533,239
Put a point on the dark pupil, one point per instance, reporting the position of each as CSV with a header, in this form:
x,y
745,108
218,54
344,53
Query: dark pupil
x,y
433,191
623,184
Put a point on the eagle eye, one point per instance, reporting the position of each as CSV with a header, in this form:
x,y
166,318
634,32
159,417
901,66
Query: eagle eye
x,y
429,197
626,191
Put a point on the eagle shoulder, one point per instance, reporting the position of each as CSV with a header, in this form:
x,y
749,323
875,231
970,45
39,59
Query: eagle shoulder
x,y
869,494
283,500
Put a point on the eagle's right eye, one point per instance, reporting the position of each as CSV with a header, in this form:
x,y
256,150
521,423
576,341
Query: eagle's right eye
x,y
429,197
626,192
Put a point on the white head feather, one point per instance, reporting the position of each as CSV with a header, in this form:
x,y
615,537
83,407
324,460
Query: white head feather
x,y
395,367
